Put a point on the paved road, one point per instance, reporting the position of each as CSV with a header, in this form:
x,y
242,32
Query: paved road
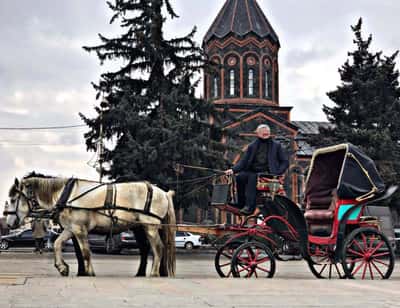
x,y
28,280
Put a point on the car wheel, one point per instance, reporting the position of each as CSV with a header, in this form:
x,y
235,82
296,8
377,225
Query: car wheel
x,y
4,245
189,246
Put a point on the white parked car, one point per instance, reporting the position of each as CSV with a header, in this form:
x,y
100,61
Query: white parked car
x,y
187,240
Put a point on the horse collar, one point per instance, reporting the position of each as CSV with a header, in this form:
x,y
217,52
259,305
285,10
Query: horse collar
x,y
149,198
63,200
111,194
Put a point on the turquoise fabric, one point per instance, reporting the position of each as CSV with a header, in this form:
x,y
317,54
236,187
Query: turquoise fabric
x,y
344,208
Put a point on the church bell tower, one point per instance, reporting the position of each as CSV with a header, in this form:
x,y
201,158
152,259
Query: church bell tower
x,y
245,46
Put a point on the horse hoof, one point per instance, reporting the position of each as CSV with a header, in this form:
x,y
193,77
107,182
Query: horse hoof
x,y
63,269
140,275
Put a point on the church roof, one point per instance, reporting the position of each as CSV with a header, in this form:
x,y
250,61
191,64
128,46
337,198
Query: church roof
x,y
241,17
311,127
261,110
307,128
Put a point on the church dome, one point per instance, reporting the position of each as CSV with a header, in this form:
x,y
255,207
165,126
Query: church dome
x,y
241,17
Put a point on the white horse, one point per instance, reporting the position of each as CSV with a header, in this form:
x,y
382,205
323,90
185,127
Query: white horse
x,y
81,206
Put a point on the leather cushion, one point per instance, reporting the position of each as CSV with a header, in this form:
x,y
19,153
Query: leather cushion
x,y
320,230
319,215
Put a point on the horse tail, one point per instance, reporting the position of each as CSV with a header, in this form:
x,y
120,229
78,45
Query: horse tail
x,y
168,235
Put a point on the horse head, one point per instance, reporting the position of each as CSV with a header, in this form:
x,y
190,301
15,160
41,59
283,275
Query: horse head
x,y
19,204
31,196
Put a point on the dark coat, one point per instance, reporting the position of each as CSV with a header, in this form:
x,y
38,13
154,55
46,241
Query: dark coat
x,y
39,228
278,161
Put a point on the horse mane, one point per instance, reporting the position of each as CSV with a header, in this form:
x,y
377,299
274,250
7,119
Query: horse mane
x,y
45,187
14,189
33,174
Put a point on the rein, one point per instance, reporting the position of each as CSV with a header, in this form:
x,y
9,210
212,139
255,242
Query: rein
x,y
200,182
180,167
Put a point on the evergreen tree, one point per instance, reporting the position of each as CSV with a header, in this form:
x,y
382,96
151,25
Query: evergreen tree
x,y
366,109
150,109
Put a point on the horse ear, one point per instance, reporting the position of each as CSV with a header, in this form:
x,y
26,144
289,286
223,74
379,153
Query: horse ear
x,y
16,182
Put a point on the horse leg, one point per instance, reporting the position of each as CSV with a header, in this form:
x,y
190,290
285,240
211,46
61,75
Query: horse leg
x,y
82,239
163,269
79,257
157,247
59,262
144,249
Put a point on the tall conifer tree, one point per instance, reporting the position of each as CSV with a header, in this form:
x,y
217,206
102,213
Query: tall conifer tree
x,y
150,109
366,108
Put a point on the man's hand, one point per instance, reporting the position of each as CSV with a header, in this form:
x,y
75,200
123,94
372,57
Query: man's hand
x,y
229,172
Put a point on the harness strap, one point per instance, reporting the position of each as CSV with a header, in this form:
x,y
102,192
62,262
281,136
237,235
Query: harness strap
x,y
149,198
109,203
86,192
110,206
120,208
111,195
62,201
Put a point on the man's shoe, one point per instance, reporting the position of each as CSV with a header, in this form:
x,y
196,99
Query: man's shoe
x,y
246,211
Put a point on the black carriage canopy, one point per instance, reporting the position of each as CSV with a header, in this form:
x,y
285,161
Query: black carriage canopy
x,y
345,168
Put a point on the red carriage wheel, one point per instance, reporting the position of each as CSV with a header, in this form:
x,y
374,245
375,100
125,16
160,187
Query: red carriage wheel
x,y
223,258
367,254
322,263
253,259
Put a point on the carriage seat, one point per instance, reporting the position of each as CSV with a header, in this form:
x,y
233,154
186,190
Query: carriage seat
x,y
320,209
319,213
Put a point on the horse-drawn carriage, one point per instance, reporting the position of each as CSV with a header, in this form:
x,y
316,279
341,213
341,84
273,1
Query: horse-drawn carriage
x,y
331,233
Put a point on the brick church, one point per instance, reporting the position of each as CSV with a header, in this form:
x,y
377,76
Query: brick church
x,y
245,47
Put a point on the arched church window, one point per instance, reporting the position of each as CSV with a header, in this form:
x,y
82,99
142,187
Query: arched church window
x,y
251,82
266,84
215,87
232,82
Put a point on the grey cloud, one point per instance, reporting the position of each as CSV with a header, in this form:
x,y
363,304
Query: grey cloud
x,y
72,138
70,18
309,109
297,57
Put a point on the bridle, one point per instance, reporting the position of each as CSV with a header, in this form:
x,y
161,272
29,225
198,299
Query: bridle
x,y
32,202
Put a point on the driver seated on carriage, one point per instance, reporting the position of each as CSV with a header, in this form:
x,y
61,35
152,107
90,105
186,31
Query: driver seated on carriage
x,y
264,155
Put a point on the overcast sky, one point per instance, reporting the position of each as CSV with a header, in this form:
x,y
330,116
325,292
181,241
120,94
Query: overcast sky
x,y
45,75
